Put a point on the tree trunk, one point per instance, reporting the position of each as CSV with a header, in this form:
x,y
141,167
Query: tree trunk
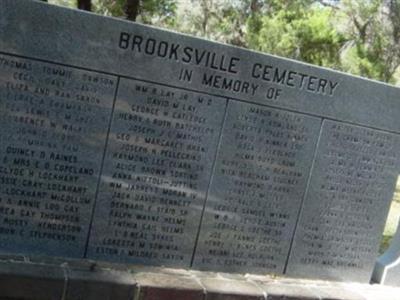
x,y
205,7
85,5
255,6
394,15
132,9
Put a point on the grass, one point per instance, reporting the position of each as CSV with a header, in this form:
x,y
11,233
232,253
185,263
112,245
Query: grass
x,y
392,220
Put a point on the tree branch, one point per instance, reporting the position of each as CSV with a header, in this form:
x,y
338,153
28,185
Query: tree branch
x,y
362,29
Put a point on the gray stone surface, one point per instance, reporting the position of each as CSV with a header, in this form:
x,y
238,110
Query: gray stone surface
x,y
257,187
95,42
156,172
156,286
74,280
222,288
281,291
53,122
346,203
157,156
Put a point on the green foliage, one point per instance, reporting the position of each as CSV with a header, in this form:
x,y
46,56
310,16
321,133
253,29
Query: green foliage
x,y
374,35
357,36
109,7
304,33
158,11
392,222
67,3
221,20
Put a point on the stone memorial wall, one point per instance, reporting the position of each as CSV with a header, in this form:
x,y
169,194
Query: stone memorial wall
x,y
128,143
159,159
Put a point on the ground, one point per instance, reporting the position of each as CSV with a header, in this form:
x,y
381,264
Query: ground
x,y
392,221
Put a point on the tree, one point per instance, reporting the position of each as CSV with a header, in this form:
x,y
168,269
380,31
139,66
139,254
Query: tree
x,y
297,29
374,34
357,36
84,5
221,20
132,9
155,12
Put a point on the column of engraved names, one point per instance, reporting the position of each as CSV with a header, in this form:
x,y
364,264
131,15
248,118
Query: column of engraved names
x,y
260,176
347,201
157,169
53,122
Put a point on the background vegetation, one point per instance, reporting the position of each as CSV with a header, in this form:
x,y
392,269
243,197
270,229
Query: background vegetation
x,y
356,36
